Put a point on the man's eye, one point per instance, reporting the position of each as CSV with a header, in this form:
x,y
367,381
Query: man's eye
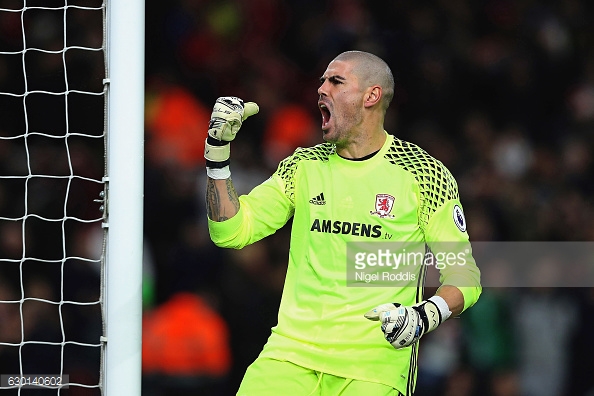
x,y
334,81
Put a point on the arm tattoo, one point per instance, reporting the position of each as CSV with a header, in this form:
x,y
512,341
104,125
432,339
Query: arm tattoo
x,y
212,199
219,206
232,194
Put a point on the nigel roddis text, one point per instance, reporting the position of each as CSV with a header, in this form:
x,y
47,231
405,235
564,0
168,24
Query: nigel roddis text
x,y
347,228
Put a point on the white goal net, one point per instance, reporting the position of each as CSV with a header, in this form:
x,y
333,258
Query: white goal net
x,y
54,178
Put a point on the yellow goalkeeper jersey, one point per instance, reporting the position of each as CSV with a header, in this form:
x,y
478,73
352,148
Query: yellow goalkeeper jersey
x,y
401,194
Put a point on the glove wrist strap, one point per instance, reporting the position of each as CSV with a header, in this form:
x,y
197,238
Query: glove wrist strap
x,y
217,165
443,307
216,156
216,142
430,315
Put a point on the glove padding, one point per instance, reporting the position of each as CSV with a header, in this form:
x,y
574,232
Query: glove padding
x,y
227,116
404,325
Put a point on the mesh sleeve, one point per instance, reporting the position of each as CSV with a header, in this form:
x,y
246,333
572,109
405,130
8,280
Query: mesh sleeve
x,y
436,183
287,167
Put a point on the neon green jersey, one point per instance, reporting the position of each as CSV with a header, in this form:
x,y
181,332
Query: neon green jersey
x,y
400,194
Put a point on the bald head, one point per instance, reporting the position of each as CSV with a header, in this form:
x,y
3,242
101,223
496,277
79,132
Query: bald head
x,y
371,70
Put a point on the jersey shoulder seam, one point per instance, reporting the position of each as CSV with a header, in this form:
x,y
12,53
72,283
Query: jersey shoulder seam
x,y
435,181
287,167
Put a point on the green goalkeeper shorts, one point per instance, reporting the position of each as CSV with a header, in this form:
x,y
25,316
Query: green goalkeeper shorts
x,y
271,377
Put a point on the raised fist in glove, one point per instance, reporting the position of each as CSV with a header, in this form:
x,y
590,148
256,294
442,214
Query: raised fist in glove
x,y
404,325
227,116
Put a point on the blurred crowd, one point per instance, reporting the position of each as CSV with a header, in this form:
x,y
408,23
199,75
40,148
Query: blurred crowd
x,y
500,91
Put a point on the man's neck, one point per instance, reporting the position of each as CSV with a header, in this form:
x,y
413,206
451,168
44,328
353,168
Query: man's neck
x,y
363,146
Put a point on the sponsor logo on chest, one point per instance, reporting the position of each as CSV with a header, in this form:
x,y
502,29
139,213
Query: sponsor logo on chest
x,y
383,206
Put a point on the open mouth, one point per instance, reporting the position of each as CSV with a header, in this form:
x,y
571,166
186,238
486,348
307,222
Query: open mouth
x,y
326,115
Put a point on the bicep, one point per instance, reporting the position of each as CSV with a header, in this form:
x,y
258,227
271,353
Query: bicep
x,y
265,210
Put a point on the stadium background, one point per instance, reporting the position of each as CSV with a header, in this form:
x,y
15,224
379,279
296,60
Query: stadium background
x,y
501,91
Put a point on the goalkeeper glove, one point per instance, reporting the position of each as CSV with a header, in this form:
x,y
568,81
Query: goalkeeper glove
x,y
227,116
404,325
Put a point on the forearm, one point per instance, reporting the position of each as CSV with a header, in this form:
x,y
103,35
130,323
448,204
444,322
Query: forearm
x,y
453,297
222,201
228,113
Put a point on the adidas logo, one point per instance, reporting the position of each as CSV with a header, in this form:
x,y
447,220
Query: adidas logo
x,y
318,200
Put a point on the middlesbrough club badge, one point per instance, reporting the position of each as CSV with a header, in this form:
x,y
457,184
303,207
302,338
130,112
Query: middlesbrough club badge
x,y
383,206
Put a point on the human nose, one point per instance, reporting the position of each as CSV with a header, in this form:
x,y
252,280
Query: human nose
x,y
322,89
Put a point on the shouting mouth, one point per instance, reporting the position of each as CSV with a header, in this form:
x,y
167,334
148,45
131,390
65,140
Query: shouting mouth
x,y
326,115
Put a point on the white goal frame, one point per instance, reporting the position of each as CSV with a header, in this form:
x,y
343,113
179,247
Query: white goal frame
x,y
124,186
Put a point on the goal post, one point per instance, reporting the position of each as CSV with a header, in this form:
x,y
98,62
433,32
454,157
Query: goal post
x,y
124,187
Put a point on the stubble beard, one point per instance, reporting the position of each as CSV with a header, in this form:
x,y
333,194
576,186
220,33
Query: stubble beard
x,y
341,132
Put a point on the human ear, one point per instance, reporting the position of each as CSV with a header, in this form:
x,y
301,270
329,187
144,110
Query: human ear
x,y
373,96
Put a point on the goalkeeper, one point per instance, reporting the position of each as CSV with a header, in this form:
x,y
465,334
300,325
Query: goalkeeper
x,y
361,185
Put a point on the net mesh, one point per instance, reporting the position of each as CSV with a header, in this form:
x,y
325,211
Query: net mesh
x,y
52,167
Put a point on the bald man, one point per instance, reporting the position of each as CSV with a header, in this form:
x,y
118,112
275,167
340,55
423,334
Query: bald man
x,y
349,196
